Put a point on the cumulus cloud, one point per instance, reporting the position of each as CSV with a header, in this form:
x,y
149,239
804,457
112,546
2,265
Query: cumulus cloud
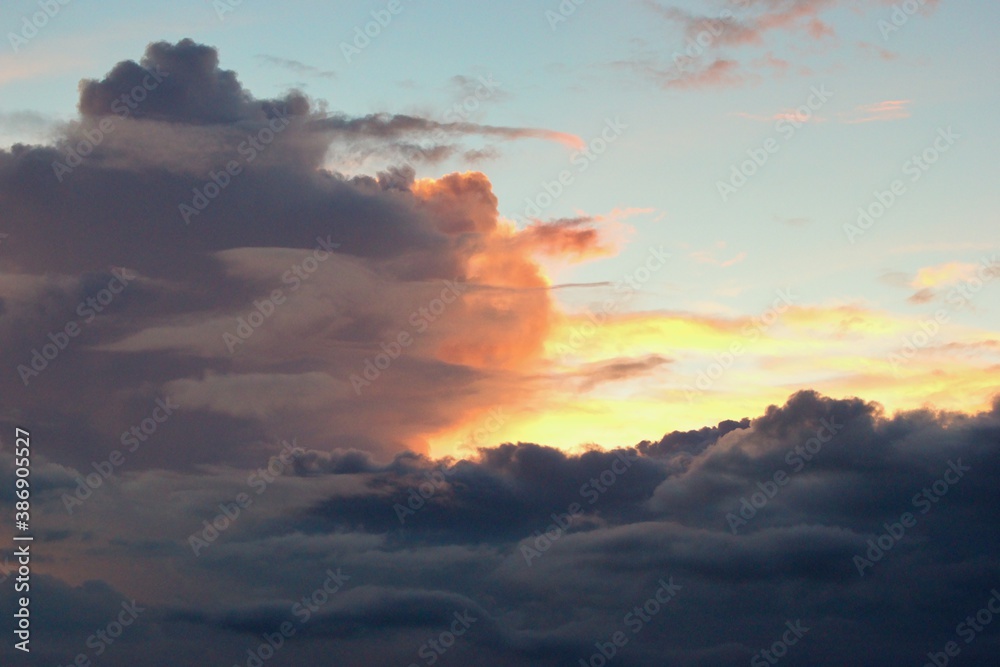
x,y
189,87
329,269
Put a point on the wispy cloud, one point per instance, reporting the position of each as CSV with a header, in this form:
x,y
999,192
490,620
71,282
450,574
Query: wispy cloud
x,y
866,113
743,25
717,74
793,115
877,51
17,68
879,111
297,66
709,256
943,274
929,279
794,221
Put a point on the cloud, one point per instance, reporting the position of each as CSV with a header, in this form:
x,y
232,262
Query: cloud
x,y
866,113
735,45
375,314
753,28
708,256
780,66
26,124
16,67
718,73
465,87
944,274
877,51
656,512
794,222
566,237
386,126
793,115
921,296
612,371
204,115
928,280
356,264
881,111
193,88
297,66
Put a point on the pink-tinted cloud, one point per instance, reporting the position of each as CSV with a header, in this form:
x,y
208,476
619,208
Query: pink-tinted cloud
x,y
866,113
779,65
880,111
877,51
752,28
720,73
760,23
792,115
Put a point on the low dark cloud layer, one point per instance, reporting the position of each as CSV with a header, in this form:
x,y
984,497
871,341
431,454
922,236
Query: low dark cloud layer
x,y
550,552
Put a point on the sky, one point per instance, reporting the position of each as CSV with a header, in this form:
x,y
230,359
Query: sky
x,y
452,270
867,291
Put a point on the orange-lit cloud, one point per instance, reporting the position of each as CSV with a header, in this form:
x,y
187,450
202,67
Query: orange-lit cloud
x,y
569,237
505,322
570,140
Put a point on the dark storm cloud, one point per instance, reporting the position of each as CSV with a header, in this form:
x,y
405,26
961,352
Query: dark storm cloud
x,y
349,613
804,540
183,84
479,543
513,490
140,182
189,88
692,442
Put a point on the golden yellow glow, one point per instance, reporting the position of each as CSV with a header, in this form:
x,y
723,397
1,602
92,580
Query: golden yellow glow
x,y
615,376
944,274
840,351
